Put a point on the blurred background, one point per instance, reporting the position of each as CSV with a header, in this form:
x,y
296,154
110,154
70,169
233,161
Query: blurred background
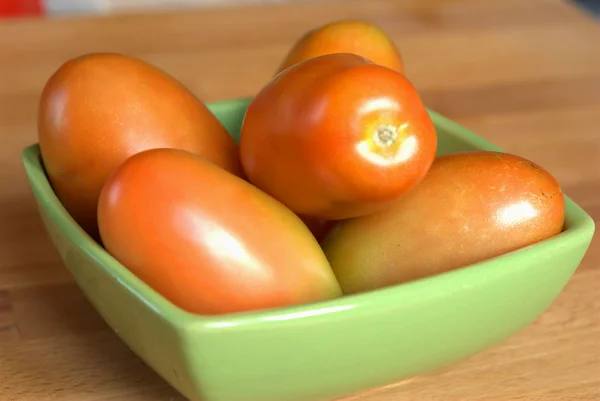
x,y
20,8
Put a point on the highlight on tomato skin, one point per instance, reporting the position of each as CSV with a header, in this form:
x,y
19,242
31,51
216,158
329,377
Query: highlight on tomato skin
x,y
472,206
336,137
206,239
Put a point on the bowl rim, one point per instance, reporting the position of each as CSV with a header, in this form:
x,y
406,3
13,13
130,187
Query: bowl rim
x,y
578,226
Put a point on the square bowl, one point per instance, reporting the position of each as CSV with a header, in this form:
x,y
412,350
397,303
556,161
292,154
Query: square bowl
x,y
326,349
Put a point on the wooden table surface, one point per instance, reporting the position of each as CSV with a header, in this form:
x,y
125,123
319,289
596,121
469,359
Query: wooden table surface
x,y
524,74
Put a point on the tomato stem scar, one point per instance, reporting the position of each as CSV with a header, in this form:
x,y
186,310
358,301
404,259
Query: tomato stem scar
x,y
385,135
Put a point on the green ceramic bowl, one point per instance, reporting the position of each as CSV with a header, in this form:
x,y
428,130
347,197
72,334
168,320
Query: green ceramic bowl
x,y
328,349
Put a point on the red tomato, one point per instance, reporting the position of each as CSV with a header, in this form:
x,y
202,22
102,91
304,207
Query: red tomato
x,y
471,207
337,136
207,240
99,109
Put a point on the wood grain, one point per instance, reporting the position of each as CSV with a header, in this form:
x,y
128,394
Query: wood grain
x,y
524,74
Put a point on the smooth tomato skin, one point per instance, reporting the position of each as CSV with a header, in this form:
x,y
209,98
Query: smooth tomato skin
x,y
471,207
207,240
346,36
310,137
98,109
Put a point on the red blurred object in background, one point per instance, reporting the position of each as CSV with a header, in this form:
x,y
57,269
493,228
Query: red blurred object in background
x,y
20,8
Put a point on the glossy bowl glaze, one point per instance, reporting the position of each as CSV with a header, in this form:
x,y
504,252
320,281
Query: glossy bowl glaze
x,y
322,350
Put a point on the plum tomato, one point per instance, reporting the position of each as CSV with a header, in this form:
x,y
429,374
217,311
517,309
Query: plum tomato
x,y
471,207
98,109
206,239
346,36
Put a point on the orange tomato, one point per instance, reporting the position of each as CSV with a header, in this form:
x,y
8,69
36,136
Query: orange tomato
x,y
99,109
471,207
189,230
337,136
356,37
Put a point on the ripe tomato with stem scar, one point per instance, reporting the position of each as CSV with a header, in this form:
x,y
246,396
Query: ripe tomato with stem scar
x,y
336,137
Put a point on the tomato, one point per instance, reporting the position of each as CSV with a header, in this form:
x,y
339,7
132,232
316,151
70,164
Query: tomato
x,y
336,137
318,227
207,240
471,207
356,37
99,109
